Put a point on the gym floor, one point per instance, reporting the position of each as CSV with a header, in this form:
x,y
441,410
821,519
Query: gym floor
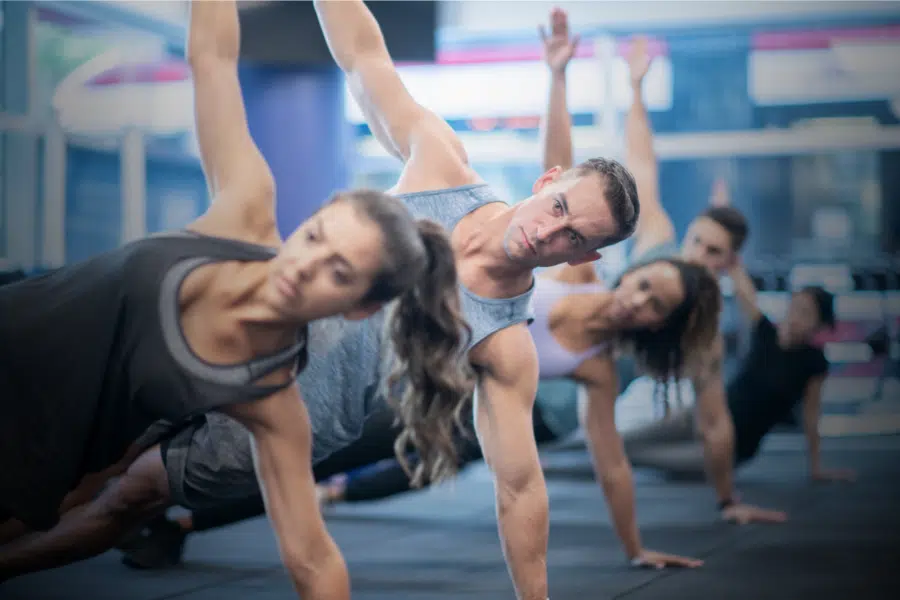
x,y
841,541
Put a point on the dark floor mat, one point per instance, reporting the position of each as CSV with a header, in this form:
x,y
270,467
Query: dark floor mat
x,y
841,542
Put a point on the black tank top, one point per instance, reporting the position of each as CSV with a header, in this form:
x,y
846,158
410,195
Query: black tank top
x,y
92,354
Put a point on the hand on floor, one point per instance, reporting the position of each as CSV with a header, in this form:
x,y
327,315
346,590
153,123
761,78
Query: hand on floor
x,y
744,514
658,560
828,475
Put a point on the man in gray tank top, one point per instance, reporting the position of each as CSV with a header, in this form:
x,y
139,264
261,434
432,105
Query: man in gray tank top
x,y
570,215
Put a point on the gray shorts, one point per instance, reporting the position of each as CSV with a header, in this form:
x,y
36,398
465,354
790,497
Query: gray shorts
x,y
210,462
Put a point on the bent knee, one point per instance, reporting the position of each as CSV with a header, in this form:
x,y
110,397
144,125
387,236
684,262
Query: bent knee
x,y
143,488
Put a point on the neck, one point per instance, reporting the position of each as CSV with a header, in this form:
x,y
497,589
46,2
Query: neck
x,y
486,244
598,320
251,297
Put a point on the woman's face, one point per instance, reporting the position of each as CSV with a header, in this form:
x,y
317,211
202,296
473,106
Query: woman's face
x,y
646,297
802,320
327,266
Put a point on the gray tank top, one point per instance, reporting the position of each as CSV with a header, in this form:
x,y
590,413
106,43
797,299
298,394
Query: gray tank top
x,y
347,360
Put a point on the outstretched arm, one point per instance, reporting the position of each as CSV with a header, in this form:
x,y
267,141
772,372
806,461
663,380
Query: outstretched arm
x,y
718,434
407,130
282,440
613,471
556,131
239,179
504,400
654,225
812,413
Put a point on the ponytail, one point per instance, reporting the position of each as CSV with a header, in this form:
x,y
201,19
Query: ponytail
x,y
431,381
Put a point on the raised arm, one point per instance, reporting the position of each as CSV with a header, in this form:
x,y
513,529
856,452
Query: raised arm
x,y
504,399
654,226
613,471
282,441
240,182
406,129
745,292
556,129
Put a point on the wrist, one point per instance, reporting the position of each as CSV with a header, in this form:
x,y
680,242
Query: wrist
x,y
558,74
726,503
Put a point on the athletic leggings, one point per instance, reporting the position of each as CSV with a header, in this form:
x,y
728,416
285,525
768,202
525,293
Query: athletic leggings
x,y
374,471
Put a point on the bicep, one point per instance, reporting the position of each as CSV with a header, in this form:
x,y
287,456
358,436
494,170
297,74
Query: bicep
x,y
240,182
709,384
504,401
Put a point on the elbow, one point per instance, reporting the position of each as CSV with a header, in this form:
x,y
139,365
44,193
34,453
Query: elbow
x,y
515,484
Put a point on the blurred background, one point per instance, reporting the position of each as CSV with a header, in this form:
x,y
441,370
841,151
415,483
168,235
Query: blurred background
x,y
794,104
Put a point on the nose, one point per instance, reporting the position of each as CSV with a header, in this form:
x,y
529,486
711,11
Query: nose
x,y
546,231
638,300
304,269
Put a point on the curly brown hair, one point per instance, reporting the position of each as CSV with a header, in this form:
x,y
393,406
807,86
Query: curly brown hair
x,y
688,331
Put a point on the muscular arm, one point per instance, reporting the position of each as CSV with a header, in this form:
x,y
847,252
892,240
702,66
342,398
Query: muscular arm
x,y
508,367
282,454
654,225
406,129
611,465
240,181
715,424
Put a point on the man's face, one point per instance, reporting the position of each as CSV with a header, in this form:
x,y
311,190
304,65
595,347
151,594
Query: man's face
x,y
708,244
565,220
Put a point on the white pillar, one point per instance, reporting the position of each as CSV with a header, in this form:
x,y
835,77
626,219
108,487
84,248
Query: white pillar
x,y
134,186
53,253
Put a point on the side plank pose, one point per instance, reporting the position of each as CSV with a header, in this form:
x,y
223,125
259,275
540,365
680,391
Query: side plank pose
x,y
782,368
658,313
712,241
570,215
213,318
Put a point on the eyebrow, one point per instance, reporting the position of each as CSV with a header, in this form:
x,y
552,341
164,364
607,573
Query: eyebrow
x,y
565,208
337,255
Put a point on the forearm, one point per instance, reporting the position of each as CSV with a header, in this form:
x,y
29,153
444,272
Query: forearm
x,y
811,428
718,446
638,134
618,488
524,526
557,126
214,30
351,31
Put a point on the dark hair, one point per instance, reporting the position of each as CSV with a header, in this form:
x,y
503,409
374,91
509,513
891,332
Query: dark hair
x,y
691,327
431,382
733,221
824,303
620,191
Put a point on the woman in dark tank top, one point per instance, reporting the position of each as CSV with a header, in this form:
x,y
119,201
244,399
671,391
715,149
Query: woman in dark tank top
x,y
212,318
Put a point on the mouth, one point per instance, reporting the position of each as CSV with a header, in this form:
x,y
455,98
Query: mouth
x,y
285,288
528,243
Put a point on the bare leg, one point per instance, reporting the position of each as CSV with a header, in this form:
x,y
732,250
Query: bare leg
x,y
89,530
87,490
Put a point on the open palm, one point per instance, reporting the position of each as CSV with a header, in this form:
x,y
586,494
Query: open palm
x,y
559,45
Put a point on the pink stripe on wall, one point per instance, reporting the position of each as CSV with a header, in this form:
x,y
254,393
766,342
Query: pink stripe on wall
x,y
812,40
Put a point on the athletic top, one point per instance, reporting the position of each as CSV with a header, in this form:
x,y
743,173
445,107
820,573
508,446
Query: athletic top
x,y
348,359
92,354
556,361
770,382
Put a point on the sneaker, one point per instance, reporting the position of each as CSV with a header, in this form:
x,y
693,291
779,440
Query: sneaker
x,y
160,546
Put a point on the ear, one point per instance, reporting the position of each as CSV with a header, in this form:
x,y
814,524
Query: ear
x,y
549,177
589,257
363,312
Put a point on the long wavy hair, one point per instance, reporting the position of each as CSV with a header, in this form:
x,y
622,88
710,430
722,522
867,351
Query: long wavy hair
x,y
430,382
689,331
